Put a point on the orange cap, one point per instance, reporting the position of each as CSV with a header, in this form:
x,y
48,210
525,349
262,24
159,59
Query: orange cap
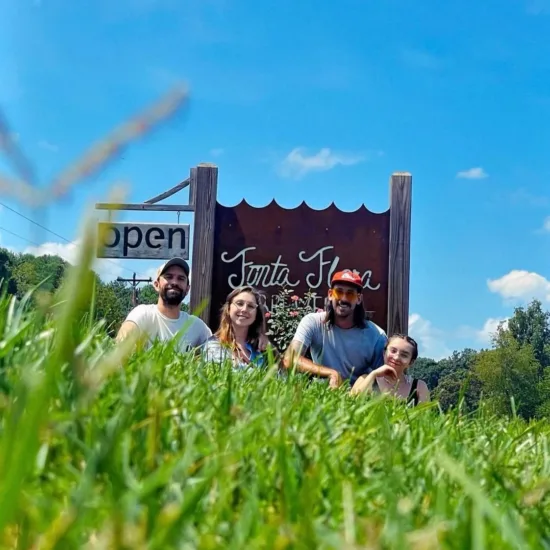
x,y
347,276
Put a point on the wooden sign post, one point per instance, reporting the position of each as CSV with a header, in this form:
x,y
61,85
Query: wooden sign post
x,y
204,189
399,253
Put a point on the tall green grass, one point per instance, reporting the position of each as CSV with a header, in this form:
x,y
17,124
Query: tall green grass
x,y
156,450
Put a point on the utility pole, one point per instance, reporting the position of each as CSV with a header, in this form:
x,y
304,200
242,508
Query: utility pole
x,y
135,282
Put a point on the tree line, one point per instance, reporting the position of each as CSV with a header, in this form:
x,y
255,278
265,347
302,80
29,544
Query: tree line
x,y
22,273
512,376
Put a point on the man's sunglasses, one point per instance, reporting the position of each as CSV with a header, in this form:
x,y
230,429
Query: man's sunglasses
x,y
340,293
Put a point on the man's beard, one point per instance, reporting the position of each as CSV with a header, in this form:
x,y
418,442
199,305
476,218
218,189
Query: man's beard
x,y
172,296
346,311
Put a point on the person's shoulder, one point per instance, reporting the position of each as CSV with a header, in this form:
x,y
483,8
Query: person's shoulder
x,y
141,311
189,317
314,318
423,388
212,342
376,329
196,322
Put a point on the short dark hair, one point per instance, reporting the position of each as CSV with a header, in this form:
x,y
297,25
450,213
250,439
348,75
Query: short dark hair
x,y
410,340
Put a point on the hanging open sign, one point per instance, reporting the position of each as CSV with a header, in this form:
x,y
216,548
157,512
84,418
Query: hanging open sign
x,y
143,241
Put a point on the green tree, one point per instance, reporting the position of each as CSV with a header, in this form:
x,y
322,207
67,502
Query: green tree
x,y
543,410
113,301
46,272
428,370
510,372
458,362
148,294
434,372
456,385
7,260
531,326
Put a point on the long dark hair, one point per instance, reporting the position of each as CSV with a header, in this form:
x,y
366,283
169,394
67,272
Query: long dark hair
x,y
359,315
225,332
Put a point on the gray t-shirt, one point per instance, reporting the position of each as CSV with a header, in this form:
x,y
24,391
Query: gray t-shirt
x,y
352,352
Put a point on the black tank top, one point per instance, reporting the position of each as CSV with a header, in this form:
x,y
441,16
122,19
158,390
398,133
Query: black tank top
x,y
413,393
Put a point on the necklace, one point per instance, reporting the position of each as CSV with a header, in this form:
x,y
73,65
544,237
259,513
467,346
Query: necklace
x,y
396,387
241,354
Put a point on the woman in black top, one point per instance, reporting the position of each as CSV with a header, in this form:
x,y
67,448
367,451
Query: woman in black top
x,y
400,353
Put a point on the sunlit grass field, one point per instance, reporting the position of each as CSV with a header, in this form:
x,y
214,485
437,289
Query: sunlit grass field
x,y
103,448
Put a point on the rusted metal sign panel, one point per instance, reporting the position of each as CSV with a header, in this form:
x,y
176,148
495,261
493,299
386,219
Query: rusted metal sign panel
x,y
299,248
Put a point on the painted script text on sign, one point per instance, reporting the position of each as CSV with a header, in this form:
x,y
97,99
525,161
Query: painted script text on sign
x,y
144,241
278,273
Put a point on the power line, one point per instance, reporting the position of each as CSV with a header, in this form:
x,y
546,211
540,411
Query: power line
x,y
36,223
54,233
19,236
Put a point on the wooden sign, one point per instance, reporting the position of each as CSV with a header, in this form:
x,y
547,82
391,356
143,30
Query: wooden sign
x,y
144,241
301,248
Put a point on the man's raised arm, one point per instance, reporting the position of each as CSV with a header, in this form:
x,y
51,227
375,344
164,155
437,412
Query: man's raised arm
x,y
125,330
294,355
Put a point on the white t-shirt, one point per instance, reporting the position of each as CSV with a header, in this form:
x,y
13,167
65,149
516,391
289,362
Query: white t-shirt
x,y
157,326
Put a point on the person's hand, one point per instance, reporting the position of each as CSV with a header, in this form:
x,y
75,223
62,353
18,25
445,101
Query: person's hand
x,y
334,379
363,382
387,372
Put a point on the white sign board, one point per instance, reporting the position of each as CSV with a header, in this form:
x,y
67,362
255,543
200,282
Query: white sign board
x,y
143,241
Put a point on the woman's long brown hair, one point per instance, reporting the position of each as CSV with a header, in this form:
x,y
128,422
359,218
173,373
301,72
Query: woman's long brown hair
x,y
225,332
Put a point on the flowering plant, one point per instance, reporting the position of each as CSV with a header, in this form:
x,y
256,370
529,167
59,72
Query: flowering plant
x,y
287,312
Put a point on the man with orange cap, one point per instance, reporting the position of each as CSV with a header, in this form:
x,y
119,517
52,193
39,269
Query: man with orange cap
x,y
343,344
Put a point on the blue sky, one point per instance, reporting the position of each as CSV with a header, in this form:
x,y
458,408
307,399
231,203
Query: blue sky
x,y
314,101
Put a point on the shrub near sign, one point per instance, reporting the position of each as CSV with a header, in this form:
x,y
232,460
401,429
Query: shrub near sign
x,y
143,240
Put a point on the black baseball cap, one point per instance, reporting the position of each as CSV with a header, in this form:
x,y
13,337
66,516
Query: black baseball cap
x,y
174,261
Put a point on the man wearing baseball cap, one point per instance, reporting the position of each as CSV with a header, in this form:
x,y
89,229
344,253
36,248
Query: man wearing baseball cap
x,y
343,343
165,319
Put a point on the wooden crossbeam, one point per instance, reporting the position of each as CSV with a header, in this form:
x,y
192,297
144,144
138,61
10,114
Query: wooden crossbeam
x,y
170,192
145,207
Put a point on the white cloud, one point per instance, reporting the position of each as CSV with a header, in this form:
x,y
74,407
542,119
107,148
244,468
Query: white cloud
x,y
521,285
216,152
47,146
108,270
546,224
298,163
485,334
473,174
430,339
